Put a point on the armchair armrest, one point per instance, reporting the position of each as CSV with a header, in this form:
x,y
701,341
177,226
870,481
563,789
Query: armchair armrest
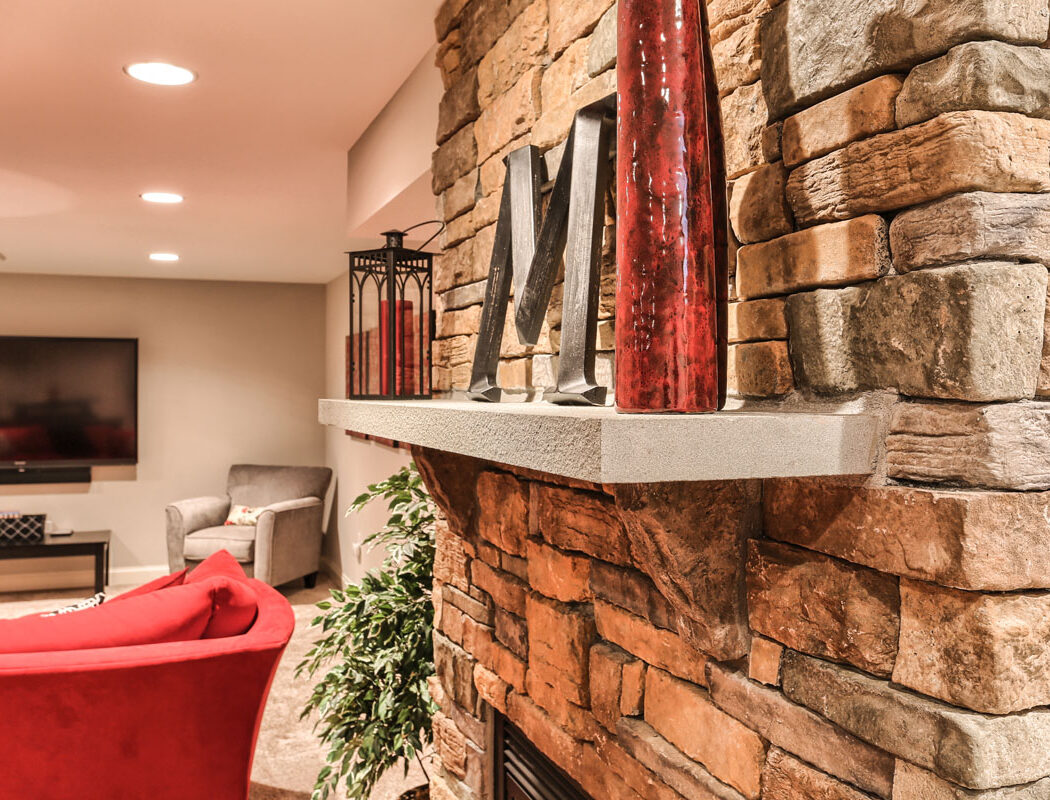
x,y
288,540
292,505
187,516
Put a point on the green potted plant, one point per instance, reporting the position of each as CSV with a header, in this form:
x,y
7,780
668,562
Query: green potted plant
x,y
373,705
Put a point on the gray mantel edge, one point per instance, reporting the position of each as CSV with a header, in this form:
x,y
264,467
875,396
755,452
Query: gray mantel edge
x,y
599,445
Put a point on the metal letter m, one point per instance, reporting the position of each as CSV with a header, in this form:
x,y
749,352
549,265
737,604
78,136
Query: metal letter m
x,y
528,249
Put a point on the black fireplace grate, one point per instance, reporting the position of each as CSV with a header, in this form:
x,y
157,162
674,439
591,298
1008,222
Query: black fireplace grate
x,y
524,773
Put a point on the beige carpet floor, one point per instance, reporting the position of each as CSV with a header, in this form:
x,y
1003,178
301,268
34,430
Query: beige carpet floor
x,y
288,755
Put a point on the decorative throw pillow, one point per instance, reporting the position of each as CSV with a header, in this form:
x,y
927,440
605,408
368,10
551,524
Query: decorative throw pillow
x,y
243,515
91,602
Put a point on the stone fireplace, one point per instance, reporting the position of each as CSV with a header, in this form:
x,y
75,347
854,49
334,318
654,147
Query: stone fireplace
x,y
849,615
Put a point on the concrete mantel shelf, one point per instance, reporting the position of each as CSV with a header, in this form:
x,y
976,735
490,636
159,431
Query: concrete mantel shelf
x,y
602,446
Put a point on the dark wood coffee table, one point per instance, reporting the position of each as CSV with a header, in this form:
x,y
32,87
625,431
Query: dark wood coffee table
x,y
79,543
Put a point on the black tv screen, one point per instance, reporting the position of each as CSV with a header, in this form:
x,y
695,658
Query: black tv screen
x,y
68,402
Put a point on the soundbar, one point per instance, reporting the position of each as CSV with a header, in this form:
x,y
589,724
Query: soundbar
x,y
27,475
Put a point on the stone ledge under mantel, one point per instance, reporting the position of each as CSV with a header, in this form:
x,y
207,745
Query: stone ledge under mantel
x,y
602,446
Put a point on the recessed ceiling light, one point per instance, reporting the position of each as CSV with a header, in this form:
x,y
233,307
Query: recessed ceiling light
x,y
163,257
161,197
160,73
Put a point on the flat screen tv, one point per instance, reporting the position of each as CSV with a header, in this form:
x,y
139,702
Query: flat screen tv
x,y
68,402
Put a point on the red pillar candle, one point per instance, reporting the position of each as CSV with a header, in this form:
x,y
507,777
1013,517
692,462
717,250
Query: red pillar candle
x,y
672,250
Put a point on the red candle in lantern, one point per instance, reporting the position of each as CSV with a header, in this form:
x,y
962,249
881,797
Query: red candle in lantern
x,y
672,248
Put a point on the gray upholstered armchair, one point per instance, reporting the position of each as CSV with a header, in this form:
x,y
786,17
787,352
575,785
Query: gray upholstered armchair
x,y
283,545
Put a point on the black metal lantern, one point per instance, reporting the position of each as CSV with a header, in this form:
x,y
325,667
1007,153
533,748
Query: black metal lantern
x,y
391,321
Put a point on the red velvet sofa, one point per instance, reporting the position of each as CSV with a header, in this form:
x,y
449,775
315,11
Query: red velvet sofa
x,y
156,694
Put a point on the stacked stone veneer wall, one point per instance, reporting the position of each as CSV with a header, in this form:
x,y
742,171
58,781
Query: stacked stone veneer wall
x,y
886,637
779,639
515,71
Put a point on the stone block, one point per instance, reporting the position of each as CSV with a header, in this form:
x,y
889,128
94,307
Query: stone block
x,y
477,730
655,646
458,106
454,159
454,352
758,208
988,446
503,517
963,151
687,777
507,665
601,47
637,779
465,631
856,114
993,76
510,115
512,632
451,558
483,23
542,731
737,58
463,296
823,606
573,19
459,322
800,731
515,375
459,197
728,16
518,50
506,591
455,669
606,682
452,480
580,521
561,635
550,696
771,142
759,370
684,715
969,332
970,749
566,75
986,652
787,778
809,54
757,320
744,120
1006,226
1042,390
456,267
515,565
763,664
476,610
915,783
492,688
980,541
633,591
836,254
553,126
559,575
699,576
632,690
447,17
450,745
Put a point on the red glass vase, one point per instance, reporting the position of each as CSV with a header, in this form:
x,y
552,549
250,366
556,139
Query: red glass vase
x,y
672,248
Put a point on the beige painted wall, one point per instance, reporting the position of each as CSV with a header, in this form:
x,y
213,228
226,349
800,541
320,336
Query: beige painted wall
x,y
356,463
228,372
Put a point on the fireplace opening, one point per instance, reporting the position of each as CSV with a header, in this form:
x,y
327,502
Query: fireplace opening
x,y
524,773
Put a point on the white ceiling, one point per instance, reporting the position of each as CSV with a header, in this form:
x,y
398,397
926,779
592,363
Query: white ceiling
x,y
257,145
